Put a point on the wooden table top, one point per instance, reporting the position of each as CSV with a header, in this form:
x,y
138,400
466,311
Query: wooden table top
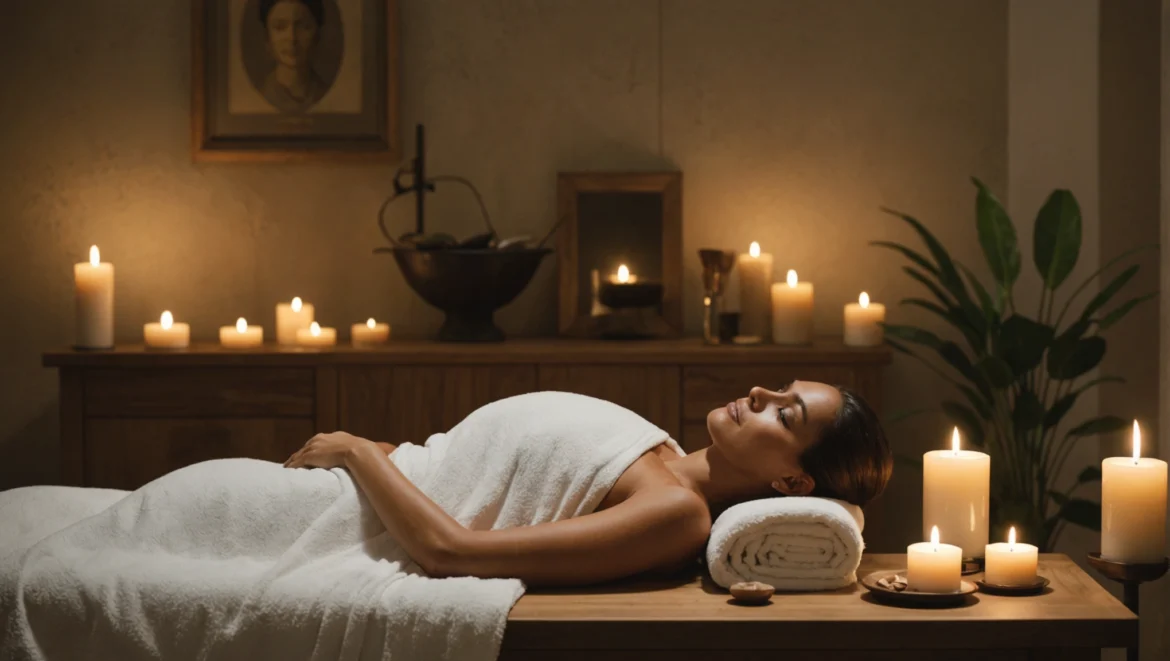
x,y
693,613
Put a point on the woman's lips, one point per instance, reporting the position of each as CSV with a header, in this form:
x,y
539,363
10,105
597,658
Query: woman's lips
x,y
733,411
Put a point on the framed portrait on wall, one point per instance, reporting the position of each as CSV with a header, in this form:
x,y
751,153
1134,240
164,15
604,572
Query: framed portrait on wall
x,y
292,80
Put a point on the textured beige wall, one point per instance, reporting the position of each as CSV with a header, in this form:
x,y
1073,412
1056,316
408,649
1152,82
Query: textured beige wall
x,y
792,122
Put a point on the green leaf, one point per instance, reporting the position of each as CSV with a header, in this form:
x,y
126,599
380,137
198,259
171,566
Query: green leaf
x,y
981,406
1060,407
990,309
1022,342
897,346
911,255
1085,354
1081,512
1057,238
1107,293
912,334
1123,309
956,358
1059,498
1099,425
966,420
952,315
1028,412
1089,474
998,372
997,236
929,284
947,274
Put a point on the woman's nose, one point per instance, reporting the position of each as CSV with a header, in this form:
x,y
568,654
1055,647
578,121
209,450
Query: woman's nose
x,y
759,397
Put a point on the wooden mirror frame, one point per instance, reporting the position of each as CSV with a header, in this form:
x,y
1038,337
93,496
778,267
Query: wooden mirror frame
x,y
666,184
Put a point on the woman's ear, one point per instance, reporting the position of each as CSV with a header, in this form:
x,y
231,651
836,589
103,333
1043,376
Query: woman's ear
x,y
795,485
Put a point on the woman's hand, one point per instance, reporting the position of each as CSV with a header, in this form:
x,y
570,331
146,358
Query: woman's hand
x,y
325,451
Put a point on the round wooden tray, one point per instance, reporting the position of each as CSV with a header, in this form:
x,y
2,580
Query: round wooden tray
x,y
1013,590
1128,571
913,597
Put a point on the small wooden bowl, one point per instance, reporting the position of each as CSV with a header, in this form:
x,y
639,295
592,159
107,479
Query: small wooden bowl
x,y
752,592
1013,590
914,598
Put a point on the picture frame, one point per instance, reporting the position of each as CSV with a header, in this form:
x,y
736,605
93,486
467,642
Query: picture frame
x,y
294,80
606,219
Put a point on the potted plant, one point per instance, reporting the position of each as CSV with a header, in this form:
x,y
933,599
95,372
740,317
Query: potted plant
x,y
1017,375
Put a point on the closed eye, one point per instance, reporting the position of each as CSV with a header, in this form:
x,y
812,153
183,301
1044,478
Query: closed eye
x,y
783,418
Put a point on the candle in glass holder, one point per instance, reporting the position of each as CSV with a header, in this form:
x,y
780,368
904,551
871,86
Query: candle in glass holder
x,y
792,311
755,305
316,336
93,288
862,322
1133,506
955,493
934,567
166,334
241,336
370,333
1010,564
290,318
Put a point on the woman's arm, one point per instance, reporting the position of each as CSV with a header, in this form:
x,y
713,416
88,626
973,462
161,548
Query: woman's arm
x,y
650,529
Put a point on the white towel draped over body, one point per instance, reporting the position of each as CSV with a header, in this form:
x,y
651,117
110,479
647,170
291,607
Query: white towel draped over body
x,y
245,559
791,543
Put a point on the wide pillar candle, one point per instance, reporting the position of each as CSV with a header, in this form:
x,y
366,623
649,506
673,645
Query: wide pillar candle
x,y
1010,564
792,311
290,318
241,336
934,567
93,286
755,279
370,333
955,492
316,336
863,322
166,333
1133,507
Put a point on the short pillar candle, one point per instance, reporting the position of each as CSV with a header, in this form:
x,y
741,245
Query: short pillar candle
x,y
166,334
1010,564
863,321
792,311
241,336
370,333
316,336
934,567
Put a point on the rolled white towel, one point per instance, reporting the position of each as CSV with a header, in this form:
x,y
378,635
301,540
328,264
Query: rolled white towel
x,y
792,543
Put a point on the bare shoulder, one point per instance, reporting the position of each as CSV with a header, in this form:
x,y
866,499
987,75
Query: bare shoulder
x,y
648,471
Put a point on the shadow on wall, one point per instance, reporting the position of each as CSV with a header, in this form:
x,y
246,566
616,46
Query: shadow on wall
x,y
32,455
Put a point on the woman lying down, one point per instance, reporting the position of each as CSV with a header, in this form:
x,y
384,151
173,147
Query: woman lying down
x,y
411,550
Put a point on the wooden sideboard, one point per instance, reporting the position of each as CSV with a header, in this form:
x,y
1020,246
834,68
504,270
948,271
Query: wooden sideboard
x,y
129,415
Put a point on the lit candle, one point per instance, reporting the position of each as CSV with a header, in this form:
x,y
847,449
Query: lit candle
x,y
369,333
955,488
1133,506
290,318
1010,564
241,336
93,286
755,308
862,321
792,310
316,336
623,276
166,334
933,567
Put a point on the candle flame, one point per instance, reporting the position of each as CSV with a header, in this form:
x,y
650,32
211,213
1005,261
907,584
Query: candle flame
x,y
1012,539
95,257
1137,442
955,441
623,274
296,304
863,300
754,249
167,320
934,537
791,278
370,323
241,325
315,329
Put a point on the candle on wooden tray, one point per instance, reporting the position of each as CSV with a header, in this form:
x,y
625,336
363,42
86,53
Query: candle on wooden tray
x,y
1010,564
955,492
1133,506
792,311
290,318
241,336
370,333
755,306
316,336
93,286
166,334
862,322
933,567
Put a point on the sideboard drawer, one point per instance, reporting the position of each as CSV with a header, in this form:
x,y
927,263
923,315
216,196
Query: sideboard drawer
x,y
201,391
126,453
709,387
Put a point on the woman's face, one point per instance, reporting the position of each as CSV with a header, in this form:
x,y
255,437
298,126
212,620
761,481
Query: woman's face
x,y
765,433
292,33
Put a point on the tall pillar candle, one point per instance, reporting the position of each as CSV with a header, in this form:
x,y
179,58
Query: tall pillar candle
x,y
93,286
755,279
290,318
863,322
1133,507
955,492
792,311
